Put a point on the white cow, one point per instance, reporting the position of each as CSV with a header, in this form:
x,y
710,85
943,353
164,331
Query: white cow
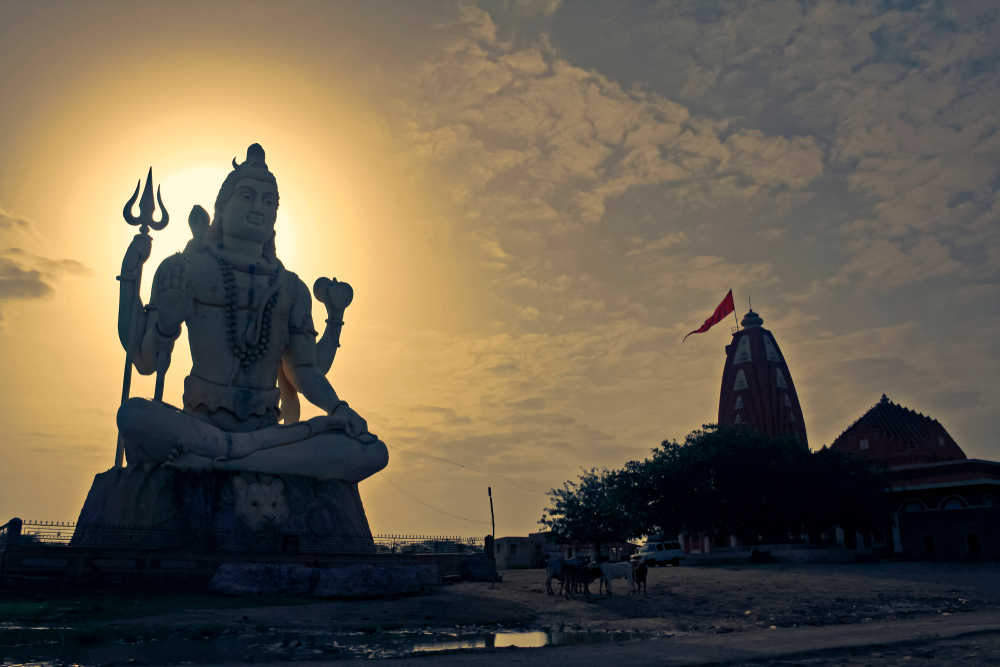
x,y
611,571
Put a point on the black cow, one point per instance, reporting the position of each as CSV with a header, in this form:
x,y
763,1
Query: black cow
x,y
640,577
579,575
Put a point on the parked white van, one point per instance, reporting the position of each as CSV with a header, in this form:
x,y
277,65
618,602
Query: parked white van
x,y
659,550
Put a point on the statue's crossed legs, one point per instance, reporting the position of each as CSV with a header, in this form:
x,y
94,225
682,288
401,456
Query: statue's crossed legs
x,y
159,433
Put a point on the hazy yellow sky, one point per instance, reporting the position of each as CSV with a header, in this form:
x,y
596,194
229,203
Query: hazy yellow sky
x,y
534,202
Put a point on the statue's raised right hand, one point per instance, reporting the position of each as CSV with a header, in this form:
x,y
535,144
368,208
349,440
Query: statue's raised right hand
x,y
174,296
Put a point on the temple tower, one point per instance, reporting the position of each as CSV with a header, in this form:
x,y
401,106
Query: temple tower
x,y
757,388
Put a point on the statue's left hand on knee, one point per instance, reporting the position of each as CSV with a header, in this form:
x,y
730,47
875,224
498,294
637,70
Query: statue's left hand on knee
x,y
345,420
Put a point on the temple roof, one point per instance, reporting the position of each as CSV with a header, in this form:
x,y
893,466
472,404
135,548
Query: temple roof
x,y
895,421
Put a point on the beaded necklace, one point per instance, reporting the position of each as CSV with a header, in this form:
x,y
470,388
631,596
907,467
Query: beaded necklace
x,y
245,348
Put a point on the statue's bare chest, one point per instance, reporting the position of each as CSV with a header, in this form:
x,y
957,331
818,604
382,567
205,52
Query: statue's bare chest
x,y
220,286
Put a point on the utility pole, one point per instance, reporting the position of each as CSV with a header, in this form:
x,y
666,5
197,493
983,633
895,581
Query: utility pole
x,y
493,522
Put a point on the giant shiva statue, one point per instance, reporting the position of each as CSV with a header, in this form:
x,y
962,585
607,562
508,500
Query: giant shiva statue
x,y
253,348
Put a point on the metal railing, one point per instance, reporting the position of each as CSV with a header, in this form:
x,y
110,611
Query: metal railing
x,y
68,533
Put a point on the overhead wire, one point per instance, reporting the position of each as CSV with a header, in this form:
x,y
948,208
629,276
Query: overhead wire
x,y
480,472
430,506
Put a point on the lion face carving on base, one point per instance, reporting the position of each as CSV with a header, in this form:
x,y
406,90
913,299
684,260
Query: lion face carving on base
x,y
261,506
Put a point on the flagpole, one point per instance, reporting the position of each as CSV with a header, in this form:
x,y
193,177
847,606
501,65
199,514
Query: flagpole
x,y
736,318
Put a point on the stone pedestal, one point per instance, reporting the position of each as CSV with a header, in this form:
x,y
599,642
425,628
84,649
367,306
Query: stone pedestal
x,y
203,502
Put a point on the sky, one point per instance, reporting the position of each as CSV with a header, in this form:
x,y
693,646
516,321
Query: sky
x,y
534,201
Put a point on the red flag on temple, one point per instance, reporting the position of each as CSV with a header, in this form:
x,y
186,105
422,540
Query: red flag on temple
x,y
725,308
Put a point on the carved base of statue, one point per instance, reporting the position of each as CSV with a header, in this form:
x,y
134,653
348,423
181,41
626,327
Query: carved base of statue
x,y
168,508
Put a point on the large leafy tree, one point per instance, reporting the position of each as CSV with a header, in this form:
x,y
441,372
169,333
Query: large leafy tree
x,y
740,482
724,482
596,509
850,491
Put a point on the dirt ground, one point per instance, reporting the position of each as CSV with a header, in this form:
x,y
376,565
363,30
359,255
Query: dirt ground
x,y
680,602
744,598
968,651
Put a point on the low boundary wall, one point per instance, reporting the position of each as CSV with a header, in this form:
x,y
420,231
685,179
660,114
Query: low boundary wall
x,y
26,558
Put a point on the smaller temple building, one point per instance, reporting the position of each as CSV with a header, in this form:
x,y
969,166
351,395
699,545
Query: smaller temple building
x,y
946,503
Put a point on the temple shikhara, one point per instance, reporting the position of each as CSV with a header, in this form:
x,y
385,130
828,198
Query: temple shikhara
x,y
757,388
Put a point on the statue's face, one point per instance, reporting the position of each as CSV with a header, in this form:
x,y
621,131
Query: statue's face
x,y
251,211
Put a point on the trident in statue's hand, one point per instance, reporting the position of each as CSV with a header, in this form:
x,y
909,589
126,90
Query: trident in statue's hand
x,y
130,305
145,218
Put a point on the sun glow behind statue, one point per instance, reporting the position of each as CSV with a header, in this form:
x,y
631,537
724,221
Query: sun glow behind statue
x,y
340,188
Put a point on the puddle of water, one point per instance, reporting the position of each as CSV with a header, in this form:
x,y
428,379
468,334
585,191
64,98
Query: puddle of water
x,y
530,640
293,647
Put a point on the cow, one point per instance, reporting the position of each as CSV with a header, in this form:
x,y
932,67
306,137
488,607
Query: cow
x,y
611,571
577,575
554,570
640,577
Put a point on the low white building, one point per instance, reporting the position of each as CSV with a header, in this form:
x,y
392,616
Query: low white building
x,y
520,553
517,553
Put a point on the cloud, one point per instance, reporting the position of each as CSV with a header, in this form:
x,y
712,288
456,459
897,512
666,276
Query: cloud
x,y
25,276
12,224
785,151
775,161
659,244
532,8
528,313
890,105
773,234
19,283
544,161
887,264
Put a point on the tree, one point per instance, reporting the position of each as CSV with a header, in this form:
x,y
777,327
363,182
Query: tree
x,y
593,510
851,491
724,481
741,482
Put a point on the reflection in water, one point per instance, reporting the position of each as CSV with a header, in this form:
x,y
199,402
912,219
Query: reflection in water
x,y
293,647
471,642
529,640
523,639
